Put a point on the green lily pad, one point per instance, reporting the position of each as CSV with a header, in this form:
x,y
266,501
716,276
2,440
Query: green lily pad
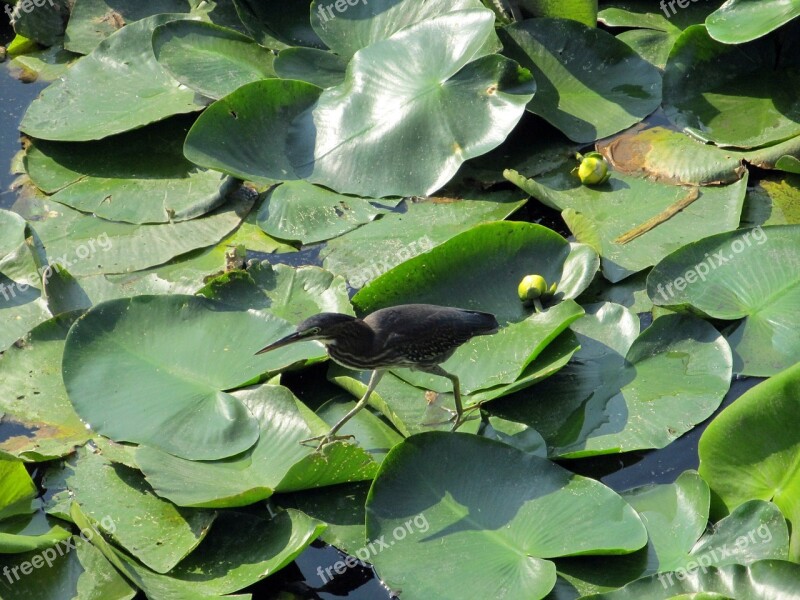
x,y
675,516
242,550
136,177
369,251
92,21
319,67
285,292
211,60
709,85
18,489
751,450
118,87
456,103
341,507
668,156
46,27
628,391
118,498
278,26
773,201
83,568
765,578
747,274
347,28
598,215
171,358
277,462
297,210
522,510
33,400
589,84
740,21
26,533
783,155
22,306
86,245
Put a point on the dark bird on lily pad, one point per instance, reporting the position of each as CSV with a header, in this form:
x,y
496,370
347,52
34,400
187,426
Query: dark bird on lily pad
x,y
413,336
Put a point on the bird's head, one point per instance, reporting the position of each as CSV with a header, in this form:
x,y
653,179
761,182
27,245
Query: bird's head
x,y
324,327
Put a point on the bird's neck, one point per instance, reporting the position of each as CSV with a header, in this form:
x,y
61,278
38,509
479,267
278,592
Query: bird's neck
x,y
357,341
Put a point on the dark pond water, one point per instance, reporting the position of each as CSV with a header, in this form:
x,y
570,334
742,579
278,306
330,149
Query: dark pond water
x,y
620,472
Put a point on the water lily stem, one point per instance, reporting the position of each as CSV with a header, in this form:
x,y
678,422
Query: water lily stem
x,y
661,217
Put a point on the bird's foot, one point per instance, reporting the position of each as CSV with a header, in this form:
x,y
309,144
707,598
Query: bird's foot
x,y
324,440
456,419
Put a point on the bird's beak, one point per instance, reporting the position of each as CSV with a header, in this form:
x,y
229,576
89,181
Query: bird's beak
x,y
289,339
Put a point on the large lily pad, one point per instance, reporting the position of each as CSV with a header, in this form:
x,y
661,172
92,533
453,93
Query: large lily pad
x,y
118,87
748,274
170,359
522,510
671,157
211,60
347,28
319,67
589,84
33,400
297,210
151,528
79,566
584,11
285,292
627,391
766,578
598,215
752,451
136,177
709,85
739,21
277,462
242,550
86,245
22,306
428,97
366,253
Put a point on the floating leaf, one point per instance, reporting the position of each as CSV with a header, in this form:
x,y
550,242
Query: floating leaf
x,y
671,157
599,215
589,84
33,399
170,359
626,391
429,97
739,21
297,210
521,511
118,87
750,450
277,462
708,85
747,274
211,60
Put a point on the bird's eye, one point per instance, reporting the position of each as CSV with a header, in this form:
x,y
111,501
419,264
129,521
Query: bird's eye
x,y
315,330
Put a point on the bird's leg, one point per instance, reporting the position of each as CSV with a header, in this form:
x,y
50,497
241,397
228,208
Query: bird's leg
x,y
458,418
331,435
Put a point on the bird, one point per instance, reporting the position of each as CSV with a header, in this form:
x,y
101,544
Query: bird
x,y
413,336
